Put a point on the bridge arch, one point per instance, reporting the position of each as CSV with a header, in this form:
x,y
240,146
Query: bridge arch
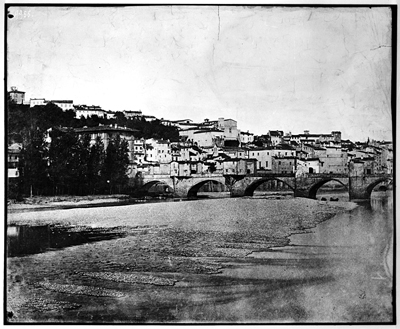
x,y
146,187
371,186
314,189
192,192
249,191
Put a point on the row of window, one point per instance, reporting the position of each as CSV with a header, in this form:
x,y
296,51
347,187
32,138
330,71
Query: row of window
x,y
279,153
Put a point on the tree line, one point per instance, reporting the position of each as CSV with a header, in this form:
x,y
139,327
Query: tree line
x,y
22,119
71,164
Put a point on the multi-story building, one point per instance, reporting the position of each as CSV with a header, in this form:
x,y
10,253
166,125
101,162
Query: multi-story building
x,y
231,133
334,161
283,164
13,156
283,150
133,114
65,105
246,138
308,166
365,166
149,118
37,101
204,137
89,111
306,137
160,151
16,95
236,152
263,157
236,166
276,137
109,115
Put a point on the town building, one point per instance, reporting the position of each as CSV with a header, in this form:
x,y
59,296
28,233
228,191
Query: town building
x,y
13,157
236,152
107,133
231,133
65,105
283,164
149,118
263,157
89,111
133,114
109,115
276,137
334,161
308,166
17,96
37,102
306,137
246,138
236,166
204,137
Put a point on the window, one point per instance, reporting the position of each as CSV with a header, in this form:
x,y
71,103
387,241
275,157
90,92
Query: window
x,y
279,162
267,153
266,164
285,153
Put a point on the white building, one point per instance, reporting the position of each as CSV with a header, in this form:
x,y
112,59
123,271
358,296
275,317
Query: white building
x,y
263,157
65,105
308,166
89,111
158,150
109,115
246,138
37,101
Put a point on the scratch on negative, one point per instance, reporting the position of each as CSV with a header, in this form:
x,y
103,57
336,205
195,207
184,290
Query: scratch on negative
x,y
219,23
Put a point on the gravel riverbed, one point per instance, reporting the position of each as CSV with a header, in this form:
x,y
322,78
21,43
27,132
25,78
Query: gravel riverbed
x,y
169,256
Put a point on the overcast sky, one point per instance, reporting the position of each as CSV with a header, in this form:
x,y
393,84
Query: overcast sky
x,y
286,68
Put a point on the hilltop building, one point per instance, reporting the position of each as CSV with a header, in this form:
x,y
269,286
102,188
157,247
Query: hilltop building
x,y
16,95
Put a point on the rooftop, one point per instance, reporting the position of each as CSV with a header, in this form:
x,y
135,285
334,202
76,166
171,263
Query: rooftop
x,y
61,101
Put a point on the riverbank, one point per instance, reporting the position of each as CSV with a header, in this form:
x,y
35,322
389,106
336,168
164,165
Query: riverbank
x,y
64,202
184,246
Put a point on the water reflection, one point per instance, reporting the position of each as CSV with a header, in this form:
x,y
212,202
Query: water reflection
x,y
26,240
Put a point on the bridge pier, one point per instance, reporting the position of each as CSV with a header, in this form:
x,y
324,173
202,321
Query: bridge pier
x,y
302,193
360,187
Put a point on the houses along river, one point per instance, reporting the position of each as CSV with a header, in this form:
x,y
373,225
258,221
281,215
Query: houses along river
x,y
219,260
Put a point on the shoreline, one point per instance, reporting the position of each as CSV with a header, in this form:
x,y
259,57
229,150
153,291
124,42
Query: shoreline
x,y
36,204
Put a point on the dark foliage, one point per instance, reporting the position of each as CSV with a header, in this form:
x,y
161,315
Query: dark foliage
x,y
72,164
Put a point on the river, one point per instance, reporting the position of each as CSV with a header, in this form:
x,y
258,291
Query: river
x,y
232,260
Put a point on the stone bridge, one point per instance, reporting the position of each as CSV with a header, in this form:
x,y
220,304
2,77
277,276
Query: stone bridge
x,y
182,186
307,185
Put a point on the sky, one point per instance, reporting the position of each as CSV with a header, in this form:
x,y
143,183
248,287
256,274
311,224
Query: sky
x,y
270,68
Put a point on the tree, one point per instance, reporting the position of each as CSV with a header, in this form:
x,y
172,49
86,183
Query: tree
x,y
33,165
116,164
64,161
95,165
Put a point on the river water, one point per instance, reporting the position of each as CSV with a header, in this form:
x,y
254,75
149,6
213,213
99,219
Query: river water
x,y
340,271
